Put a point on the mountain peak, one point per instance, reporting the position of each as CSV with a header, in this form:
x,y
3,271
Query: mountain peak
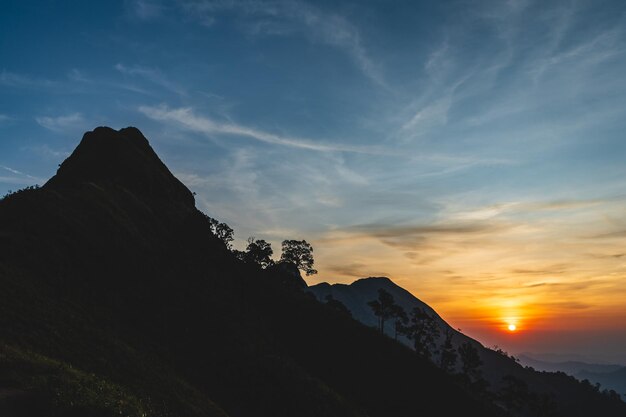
x,y
382,282
375,279
122,158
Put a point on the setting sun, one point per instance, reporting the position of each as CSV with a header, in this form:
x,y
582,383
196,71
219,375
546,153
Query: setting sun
x,y
512,327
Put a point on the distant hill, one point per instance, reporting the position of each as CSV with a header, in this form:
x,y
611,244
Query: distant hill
x,y
570,397
608,376
615,380
117,299
356,296
569,367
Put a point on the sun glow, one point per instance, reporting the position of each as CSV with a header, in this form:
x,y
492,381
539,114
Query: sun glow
x,y
512,327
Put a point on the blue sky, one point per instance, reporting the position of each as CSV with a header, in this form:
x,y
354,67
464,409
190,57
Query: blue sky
x,y
471,150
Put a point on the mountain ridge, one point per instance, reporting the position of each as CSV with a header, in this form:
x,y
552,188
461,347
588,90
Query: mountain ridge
x,y
497,365
609,376
118,299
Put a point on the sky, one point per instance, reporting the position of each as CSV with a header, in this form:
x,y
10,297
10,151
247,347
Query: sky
x,y
472,151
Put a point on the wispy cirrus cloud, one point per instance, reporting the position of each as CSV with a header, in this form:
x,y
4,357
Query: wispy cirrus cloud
x,y
186,118
153,75
382,230
18,177
512,209
146,9
47,152
13,79
63,123
286,17
541,81
97,85
76,81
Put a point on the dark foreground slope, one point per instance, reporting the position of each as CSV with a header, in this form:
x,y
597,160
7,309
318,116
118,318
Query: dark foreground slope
x,y
538,393
116,300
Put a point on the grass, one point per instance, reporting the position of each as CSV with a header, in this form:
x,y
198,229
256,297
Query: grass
x,y
65,388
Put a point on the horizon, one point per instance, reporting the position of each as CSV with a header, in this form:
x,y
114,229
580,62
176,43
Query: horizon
x,y
473,153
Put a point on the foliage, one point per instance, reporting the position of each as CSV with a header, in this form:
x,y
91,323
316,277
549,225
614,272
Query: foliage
x,y
470,361
447,359
221,230
424,331
514,395
504,353
383,308
400,320
24,190
258,252
58,385
517,398
299,253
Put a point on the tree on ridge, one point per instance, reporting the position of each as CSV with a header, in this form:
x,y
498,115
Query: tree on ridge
x,y
299,253
258,252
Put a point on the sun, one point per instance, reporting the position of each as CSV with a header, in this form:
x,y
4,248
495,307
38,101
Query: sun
x,y
512,327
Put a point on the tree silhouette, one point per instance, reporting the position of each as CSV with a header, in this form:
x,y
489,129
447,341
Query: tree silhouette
x,y
221,230
258,252
470,362
514,394
383,308
424,332
11,193
299,253
447,360
400,320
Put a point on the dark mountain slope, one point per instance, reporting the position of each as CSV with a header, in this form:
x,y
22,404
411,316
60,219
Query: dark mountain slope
x,y
570,397
615,380
116,299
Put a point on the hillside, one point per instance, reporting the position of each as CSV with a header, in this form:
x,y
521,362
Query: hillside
x,y
569,397
610,377
615,380
118,300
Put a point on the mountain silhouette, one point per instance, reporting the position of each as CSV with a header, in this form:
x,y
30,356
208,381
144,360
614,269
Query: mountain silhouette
x,y
569,367
121,158
355,296
615,380
569,397
607,375
117,299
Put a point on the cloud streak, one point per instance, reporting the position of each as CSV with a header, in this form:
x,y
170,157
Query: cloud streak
x,y
153,75
186,118
279,18
19,177
64,123
397,231
145,9
12,79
